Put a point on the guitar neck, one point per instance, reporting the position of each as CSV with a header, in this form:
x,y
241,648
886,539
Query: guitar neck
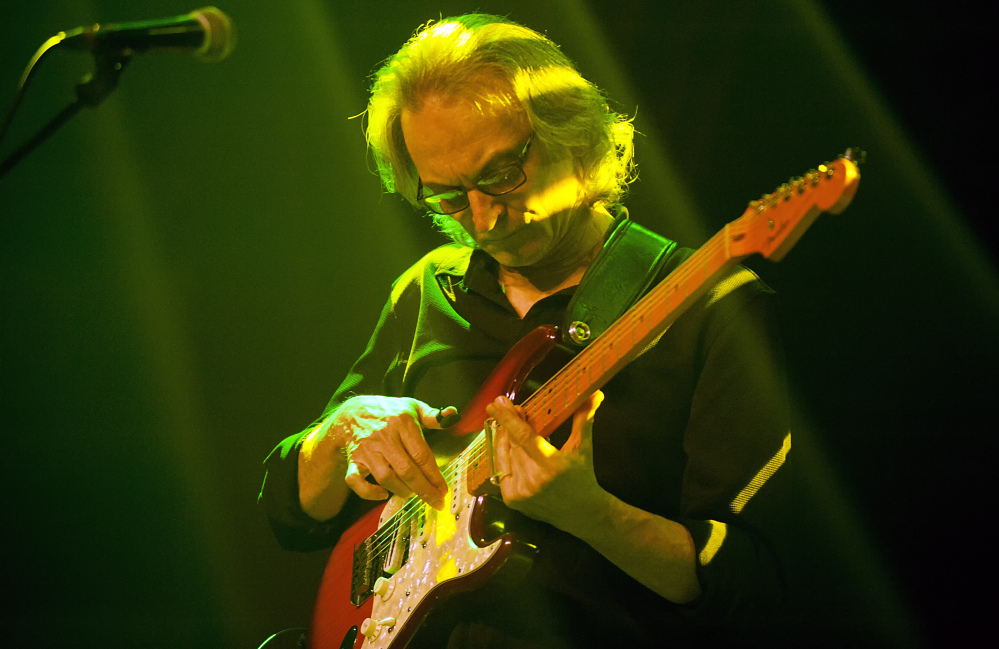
x,y
769,226
631,334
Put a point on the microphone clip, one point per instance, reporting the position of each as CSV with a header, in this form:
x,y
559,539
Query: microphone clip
x,y
97,85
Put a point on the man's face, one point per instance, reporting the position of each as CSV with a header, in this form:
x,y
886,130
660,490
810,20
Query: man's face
x,y
455,144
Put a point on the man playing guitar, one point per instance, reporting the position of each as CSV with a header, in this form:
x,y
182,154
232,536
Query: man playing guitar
x,y
652,519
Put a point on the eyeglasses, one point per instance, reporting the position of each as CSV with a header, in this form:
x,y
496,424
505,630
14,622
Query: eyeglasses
x,y
502,181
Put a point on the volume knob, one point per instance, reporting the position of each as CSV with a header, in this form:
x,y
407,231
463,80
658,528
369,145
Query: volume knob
x,y
382,587
370,627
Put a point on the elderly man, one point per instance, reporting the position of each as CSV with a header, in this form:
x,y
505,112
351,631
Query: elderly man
x,y
656,520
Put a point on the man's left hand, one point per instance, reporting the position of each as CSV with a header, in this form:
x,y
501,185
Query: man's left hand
x,y
557,486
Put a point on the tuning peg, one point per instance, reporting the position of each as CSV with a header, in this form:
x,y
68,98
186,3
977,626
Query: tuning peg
x,y
856,155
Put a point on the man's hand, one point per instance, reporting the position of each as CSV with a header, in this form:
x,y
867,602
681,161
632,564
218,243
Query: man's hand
x,y
557,486
383,437
380,437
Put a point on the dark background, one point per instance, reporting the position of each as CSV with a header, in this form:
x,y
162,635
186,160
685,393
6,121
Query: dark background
x,y
189,270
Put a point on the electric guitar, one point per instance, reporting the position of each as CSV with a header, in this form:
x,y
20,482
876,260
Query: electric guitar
x,y
399,561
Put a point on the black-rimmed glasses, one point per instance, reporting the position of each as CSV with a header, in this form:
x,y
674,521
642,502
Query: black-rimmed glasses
x,y
503,181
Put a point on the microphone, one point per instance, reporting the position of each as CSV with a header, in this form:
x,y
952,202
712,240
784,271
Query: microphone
x,y
207,31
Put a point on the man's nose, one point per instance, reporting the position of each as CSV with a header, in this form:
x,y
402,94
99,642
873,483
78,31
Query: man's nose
x,y
486,210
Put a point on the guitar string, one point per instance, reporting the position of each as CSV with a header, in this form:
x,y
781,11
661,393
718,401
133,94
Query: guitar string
x,y
413,507
386,535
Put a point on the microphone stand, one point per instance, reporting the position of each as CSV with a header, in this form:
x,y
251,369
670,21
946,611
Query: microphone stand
x,y
90,92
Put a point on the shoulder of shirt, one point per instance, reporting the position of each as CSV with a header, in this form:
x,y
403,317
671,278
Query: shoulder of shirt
x,y
739,280
450,259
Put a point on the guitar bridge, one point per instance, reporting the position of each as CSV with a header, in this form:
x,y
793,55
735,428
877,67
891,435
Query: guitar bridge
x,y
364,573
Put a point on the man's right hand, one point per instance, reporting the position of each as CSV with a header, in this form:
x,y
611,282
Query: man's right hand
x,y
380,437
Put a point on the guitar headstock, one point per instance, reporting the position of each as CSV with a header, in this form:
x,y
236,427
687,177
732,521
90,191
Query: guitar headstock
x,y
772,224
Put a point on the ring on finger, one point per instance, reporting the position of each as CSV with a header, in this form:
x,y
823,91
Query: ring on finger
x,y
498,478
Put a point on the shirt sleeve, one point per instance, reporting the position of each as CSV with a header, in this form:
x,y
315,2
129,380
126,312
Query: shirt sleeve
x,y
735,483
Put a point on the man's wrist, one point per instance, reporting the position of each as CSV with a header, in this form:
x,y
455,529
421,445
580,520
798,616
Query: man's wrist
x,y
595,521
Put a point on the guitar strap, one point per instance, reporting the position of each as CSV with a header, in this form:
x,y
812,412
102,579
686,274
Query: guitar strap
x,y
624,269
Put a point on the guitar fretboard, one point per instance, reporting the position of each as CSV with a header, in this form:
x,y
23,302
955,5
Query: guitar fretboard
x,y
631,334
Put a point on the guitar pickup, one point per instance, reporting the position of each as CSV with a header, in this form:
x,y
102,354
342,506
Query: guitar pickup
x,y
364,573
398,549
